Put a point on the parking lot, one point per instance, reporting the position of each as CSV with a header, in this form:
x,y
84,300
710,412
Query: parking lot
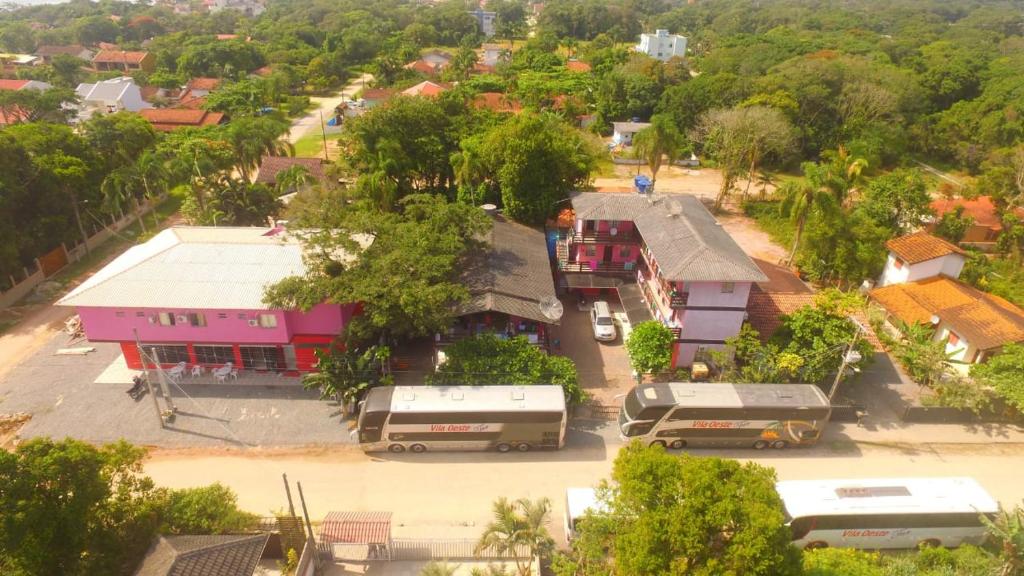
x,y
603,366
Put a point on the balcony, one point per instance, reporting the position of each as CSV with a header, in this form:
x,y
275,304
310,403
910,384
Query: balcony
x,y
613,268
595,237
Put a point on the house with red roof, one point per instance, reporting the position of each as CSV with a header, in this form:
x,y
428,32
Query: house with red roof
x,y
169,119
427,89
986,225
13,114
497,102
123,60
577,66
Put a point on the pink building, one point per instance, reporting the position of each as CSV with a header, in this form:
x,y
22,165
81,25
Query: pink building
x,y
668,259
195,294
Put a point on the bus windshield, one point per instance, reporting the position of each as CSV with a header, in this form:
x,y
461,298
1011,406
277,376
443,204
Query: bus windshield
x,y
631,405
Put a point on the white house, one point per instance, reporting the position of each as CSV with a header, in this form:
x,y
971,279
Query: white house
x,y
919,286
662,45
109,96
247,7
919,256
492,54
484,20
623,132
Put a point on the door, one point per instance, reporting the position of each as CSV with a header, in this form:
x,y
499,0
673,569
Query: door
x,y
607,254
588,226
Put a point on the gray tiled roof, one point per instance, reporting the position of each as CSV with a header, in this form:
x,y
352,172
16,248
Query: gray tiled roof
x,y
513,276
686,241
219,555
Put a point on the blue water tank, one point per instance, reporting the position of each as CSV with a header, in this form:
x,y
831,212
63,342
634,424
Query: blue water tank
x,y
642,183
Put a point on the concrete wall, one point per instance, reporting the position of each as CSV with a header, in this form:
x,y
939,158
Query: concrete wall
x,y
950,265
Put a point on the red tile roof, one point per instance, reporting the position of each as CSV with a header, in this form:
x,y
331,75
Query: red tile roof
x,y
577,66
167,119
270,166
204,83
424,67
6,84
119,57
985,320
765,311
377,94
981,210
426,88
263,71
921,246
496,102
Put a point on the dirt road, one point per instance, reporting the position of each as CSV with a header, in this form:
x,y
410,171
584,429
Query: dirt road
x,y
325,106
449,495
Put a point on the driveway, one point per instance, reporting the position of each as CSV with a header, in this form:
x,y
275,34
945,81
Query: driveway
x,y
603,366
64,399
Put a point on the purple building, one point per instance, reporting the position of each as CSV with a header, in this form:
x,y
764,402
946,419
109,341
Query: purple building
x,y
668,259
196,295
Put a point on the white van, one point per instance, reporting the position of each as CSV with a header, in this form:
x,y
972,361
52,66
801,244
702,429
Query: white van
x,y
602,322
577,502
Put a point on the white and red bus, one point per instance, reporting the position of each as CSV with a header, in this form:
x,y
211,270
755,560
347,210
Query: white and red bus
x,y
884,513
502,418
676,415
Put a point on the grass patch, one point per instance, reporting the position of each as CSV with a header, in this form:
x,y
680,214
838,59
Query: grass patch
x,y
605,167
312,145
766,213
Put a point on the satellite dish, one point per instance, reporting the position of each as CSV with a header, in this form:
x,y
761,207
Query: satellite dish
x,y
551,308
674,208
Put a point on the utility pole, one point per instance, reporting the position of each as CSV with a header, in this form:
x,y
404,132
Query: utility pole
x,y
162,378
847,354
149,385
288,493
309,528
323,132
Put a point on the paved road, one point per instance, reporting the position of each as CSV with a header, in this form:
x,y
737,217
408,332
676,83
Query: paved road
x,y
326,106
449,494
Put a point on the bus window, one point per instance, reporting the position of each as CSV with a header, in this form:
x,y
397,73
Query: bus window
x,y
801,527
371,426
653,413
639,428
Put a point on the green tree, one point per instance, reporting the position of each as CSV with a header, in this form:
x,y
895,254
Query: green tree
x,y
536,160
443,568
1002,373
659,141
346,374
650,347
924,358
70,173
898,200
52,105
802,198
953,225
820,335
209,509
688,515
516,526
407,278
842,562
485,359
1007,528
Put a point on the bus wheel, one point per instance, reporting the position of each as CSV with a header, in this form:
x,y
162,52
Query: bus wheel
x,y
929,543
658,443
396,448
678,444
779,444
524,447
504,448
817,545
760,444
418,448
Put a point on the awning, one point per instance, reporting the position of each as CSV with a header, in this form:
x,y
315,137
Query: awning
x,y
356,528
633,303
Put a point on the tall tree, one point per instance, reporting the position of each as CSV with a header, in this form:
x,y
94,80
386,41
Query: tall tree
x,y
898,200
660,141
801,198
516,526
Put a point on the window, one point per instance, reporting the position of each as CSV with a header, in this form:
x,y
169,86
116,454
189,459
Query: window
x,y
167,319
262,357
728,287
140,314
268,321
197,319
953,338
625,252
168,354
119,314
590,250
222,316
898,264
214,354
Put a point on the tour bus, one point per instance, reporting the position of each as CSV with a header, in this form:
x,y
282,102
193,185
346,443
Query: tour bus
x,y
577,502
502,418
877,514
676,415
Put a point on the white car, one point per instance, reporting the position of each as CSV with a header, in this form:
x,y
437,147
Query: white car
x,y
602,323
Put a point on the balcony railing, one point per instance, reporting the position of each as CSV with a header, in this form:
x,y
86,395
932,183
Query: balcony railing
x,y
616,268
677,333
595,237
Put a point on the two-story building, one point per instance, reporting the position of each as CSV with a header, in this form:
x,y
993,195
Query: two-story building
x,y
122,60
108,97
195,294
662,46
919,286
666,251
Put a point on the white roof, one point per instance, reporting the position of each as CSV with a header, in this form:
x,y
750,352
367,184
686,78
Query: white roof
x,y
579,500
539,397
105,91
195,267
884,496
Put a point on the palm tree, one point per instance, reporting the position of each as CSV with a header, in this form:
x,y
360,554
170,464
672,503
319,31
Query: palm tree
x,y
840,173
1007,528
516,525
661,140
292,179
252,139
120,186
152,171
799,199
